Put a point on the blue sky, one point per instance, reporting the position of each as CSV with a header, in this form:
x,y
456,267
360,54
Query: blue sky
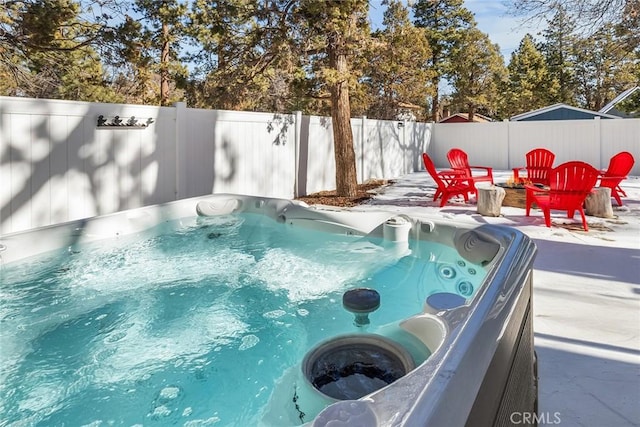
x,y
492,19
507,31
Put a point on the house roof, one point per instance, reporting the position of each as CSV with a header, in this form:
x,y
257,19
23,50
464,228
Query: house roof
x,y
560,106
624,95
476,117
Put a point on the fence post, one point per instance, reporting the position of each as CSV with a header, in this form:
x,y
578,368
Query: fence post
x,y
506,122
363,130
180,140
404,147
297,130
598,134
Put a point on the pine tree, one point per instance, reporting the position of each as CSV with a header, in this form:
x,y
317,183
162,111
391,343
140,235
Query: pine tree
x,y
444,22
627,28
159,37
225,38
530,85
604,68
477,75
397,76
557,48
46,49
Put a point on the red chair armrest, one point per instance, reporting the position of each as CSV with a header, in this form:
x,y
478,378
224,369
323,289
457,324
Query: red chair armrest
x,y
453,177
482,167
451,172
604,178
536,189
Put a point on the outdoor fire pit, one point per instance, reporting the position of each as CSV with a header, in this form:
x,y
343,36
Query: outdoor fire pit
x,y
515,192
515,196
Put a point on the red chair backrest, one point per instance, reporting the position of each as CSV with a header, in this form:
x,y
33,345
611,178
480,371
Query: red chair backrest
x,y
458,159
539,162
620,165
431,168
570,183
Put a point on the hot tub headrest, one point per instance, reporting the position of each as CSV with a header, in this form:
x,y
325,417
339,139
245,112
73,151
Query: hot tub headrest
x,y
214,206
475,248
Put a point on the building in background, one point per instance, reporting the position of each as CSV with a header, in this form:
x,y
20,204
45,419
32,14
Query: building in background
x,y
464,118
560,112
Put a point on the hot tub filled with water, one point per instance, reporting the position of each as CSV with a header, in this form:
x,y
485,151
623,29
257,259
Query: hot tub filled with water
x,y
198,321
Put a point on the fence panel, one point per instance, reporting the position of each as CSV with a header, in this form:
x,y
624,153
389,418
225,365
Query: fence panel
x,y
487,144
503,145
254,154
197,153
56,165
567,139
617,136
317,138
384,153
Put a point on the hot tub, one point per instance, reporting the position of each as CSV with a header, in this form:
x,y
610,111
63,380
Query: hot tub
x,y
431,327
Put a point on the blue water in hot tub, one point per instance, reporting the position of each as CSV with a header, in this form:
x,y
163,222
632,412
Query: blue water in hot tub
x,y
193,322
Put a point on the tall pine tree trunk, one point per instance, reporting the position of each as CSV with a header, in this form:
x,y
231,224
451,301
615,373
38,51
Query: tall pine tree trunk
x,y
435,104
471,113
164,64
346,179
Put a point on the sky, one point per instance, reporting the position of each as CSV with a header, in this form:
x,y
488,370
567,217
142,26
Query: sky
x,y
492,19
507,31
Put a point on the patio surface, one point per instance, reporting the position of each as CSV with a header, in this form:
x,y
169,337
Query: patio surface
x,y
586,299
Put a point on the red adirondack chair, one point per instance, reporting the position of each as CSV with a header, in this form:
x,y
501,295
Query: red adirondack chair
x,y
459,162
619,166
539,163
449,183
569,185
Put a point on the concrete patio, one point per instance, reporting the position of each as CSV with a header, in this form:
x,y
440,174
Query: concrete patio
x,y
586,300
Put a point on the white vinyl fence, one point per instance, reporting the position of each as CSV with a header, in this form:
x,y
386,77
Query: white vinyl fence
x,y
57,164
503,145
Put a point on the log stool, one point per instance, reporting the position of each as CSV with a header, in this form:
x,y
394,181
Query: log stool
x,y
598,203
490,200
